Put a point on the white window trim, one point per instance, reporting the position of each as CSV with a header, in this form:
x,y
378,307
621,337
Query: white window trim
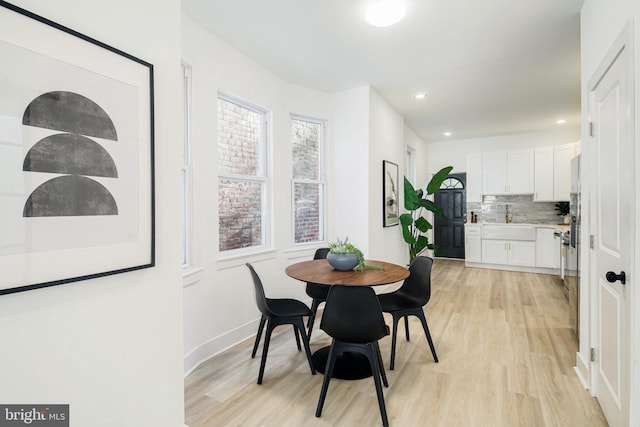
x,y
322,181
265,179
186,169
410,165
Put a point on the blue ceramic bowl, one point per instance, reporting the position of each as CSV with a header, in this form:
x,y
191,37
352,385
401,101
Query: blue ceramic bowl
x,y
342,262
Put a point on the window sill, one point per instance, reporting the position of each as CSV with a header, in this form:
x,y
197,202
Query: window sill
x,y
191,275
304,250
235,260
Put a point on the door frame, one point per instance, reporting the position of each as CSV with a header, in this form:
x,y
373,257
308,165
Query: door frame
x,y
585,368
458,176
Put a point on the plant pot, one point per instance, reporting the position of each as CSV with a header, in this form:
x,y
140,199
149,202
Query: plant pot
x,y
567,219
342,262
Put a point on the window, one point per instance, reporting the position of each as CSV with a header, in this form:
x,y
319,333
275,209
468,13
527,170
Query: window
x,y
451,184
308,179
242,174
186,165
411,166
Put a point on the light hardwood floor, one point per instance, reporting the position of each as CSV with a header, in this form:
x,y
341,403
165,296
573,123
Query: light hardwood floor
x,y
506,354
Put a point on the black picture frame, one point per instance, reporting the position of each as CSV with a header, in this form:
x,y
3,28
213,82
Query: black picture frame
x,y
390,199
77,184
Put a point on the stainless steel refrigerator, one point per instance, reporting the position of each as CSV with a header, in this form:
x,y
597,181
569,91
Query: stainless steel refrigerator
x,y
574,247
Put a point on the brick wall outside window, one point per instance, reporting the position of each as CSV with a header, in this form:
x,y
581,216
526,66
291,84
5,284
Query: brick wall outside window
x,y
241,182
308,187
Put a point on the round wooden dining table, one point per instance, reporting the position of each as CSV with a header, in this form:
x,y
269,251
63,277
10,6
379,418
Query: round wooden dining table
x,y
349,366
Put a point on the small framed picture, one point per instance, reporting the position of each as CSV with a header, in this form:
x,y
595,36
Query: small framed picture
x,y
390,209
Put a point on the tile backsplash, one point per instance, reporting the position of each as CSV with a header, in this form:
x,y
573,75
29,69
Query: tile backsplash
x,y
522,209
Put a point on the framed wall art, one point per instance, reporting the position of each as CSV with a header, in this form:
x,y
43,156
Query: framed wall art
x,y
76,156
390,200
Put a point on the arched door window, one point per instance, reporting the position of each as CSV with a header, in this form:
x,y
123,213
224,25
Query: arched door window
x,y
451,183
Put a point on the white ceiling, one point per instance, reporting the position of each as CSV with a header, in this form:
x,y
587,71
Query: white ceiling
x,y
491,67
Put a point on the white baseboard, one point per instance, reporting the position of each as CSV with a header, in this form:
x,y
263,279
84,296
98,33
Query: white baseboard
x,y
217,345
582,371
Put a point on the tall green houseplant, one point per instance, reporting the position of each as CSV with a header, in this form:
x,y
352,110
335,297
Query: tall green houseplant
x,y
413,224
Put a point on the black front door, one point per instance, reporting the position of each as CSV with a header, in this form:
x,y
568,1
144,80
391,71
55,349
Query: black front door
x,y
448,232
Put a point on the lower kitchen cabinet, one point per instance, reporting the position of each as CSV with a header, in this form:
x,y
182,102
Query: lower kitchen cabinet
x,y
473,249
509,252
548,245
472,243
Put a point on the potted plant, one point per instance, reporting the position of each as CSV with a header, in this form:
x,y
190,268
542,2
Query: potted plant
x,y
413,224
562,209
344,256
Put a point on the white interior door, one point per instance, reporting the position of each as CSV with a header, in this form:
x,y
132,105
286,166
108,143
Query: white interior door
x,y
612,229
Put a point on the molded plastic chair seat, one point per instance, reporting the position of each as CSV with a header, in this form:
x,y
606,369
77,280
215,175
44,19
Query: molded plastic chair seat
x,y
409,300
353,318
278,311
287,307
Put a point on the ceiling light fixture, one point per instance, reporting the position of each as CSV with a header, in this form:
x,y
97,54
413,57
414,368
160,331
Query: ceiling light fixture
x,y
447,134
561,121
385,12
420,95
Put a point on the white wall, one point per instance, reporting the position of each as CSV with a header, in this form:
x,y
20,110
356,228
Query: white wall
x,y
219,305
454,153
111,347
421,148
601,23
387,143
349,184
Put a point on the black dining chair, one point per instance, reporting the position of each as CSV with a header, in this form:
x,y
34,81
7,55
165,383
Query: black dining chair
x,y
316,291
275,312
353,319
409,300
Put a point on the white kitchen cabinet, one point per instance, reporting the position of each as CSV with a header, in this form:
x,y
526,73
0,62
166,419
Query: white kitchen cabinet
x,y
562,155
520,172
543,174
507,172
509,245
494,172
495,252
509,252
474,178
547,248
473,243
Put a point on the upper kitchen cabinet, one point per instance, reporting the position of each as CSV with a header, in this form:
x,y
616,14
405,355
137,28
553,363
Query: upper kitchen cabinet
x,y
543,174
562,155
552,176
474,178
507,172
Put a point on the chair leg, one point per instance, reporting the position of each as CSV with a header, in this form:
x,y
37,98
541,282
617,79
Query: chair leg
x,y
420,315
265,350
375,369
258,335
314,309
295,331
331,361
299,324
394,335
406,327
382,372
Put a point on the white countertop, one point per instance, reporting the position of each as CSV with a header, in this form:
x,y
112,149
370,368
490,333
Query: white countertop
x,y
562,227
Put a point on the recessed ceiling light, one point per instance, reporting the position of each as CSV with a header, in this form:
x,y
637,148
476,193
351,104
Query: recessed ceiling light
x,y
561,121
447,134
385,12
420,95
